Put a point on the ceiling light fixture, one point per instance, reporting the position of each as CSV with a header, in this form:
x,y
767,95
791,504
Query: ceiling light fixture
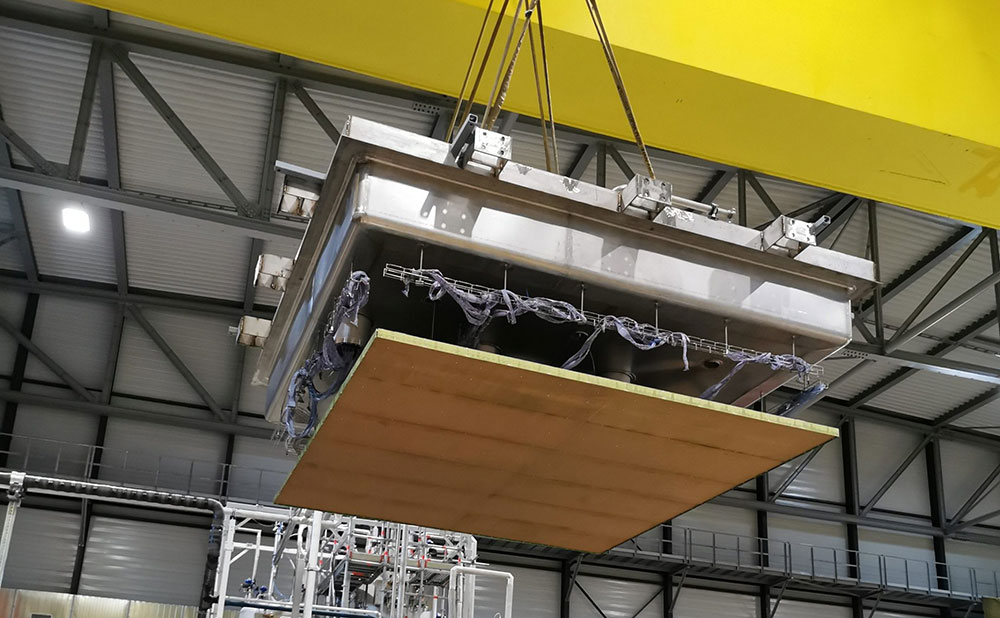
x,y
76,220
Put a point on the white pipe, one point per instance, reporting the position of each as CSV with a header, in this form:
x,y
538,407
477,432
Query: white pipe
x,y
312,563
225,560
508,602
280,606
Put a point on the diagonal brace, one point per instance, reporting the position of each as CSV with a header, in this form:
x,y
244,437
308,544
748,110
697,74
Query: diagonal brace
x,y
188,375
47,360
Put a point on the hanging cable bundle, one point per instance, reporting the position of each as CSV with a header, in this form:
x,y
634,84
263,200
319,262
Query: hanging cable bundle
x,y
789,362
637,334
334,359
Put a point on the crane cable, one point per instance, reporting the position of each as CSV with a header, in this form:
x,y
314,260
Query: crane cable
x,y
609,53
482,66
548,89
493,111
541,106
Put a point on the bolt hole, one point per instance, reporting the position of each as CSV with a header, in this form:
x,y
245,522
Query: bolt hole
x,y
712,363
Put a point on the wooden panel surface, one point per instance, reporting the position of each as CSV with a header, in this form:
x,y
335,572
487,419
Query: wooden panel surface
x,y
442,436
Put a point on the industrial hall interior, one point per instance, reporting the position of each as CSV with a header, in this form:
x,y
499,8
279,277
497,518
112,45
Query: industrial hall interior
x,y
499,309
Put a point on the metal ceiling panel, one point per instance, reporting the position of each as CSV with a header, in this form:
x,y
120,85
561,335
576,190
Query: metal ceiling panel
x,y
63,253
928,395
41,79
38,550
60,440
144,561
881,449
528,149
176,254
76,333
304,143
204,344
856,383
228,114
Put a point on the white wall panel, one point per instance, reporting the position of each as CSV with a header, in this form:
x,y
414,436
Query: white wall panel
x,y
204,344
823,478
963,468
695,603
259,469
62,253
536,593
881,448
719,526
76,333
801,609
171,457
54,441
906,555
42,550
617,598
144,561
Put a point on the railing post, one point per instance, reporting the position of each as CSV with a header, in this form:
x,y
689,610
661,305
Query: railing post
x,y
156,470
906,571
812,561
190,476
836,569
737,551
714,546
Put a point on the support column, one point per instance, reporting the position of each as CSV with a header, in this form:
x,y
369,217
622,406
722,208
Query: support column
x,y
935,491
852,501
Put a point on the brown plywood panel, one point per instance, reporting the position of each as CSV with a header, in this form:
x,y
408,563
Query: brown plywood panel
x,y
437,435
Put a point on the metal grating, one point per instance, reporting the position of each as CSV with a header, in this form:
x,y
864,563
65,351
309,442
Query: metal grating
x,y
41,80
227,113
62,253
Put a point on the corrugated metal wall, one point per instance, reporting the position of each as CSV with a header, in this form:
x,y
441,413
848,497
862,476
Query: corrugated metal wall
x,y
536,593
617,598
144,561
42,550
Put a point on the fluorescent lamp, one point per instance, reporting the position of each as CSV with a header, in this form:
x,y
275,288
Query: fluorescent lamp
x,y
76,220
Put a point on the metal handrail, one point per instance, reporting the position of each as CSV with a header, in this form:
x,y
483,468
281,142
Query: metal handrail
x,y
816,563
691,545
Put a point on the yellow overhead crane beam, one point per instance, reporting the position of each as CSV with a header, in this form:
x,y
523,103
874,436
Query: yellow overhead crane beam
x,y
895,100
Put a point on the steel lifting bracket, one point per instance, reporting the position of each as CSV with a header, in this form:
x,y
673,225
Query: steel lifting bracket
x,y
15,491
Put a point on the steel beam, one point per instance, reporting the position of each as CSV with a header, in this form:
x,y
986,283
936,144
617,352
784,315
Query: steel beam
x,y
898,472
17,376
249,290
583,159
162,416
926,362
968,407
116,199
271,146
20,223
794,473
84,112
146,89
620,160
954,342
26,342
935,492
977,496
315,111
840,216
114,350
176,361
762,194
88,289
33,156
741,197
852,493
957,241
601,171
715,186
995,263
876,259
902,338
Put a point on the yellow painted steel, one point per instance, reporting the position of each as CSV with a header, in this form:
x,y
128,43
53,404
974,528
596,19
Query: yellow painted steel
x,y
893,100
